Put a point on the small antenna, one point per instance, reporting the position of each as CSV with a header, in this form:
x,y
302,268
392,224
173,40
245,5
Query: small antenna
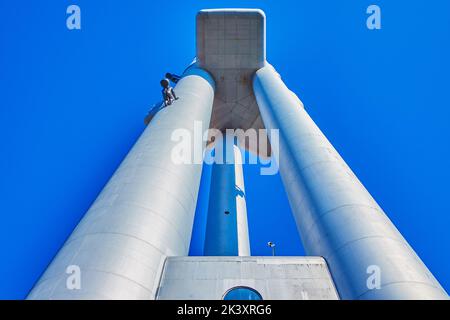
x,y
271,245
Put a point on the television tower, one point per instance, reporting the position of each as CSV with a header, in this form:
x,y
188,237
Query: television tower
x,y
133,243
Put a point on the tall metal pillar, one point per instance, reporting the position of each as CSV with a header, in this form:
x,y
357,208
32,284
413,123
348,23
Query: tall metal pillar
x,y
144,213
226,228
336,216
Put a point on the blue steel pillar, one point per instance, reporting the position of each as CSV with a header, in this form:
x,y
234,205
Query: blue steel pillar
x,y
144,214
336,216
226,228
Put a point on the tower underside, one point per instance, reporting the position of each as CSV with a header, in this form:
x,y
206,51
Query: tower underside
x,y
133,243
231,47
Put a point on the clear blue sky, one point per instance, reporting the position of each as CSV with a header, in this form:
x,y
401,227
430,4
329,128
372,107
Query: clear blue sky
x,y
72,104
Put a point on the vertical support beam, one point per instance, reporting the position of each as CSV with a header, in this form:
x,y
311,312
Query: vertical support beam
x,y
336,216
241,205
144,214
227,228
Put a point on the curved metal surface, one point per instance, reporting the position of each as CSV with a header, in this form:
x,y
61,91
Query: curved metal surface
x,y
336,216
226,228
241,205
144,213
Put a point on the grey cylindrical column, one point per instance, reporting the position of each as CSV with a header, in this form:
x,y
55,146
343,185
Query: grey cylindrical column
x,y
336,217
145,212
226,228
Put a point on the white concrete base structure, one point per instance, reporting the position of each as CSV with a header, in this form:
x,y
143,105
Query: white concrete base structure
x,y
274,278
336,217
144,214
